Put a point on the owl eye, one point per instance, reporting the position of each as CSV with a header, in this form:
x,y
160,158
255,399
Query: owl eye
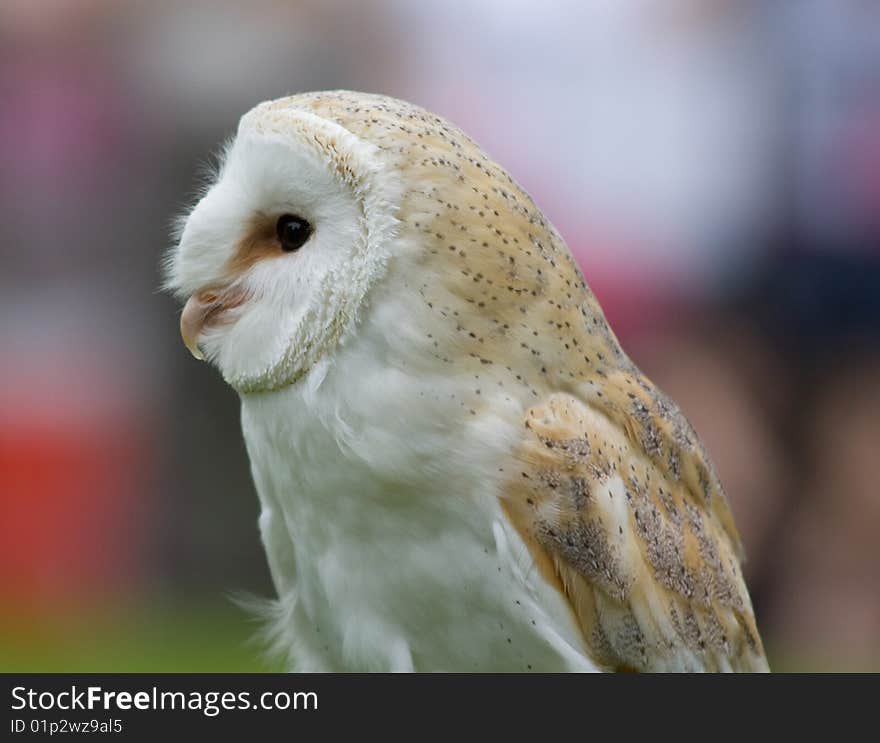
x,y
292,232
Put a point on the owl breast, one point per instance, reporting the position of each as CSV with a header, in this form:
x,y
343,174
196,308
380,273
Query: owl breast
x,y
382,525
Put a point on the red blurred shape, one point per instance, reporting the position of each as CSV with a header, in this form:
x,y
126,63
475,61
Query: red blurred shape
x,y
72,464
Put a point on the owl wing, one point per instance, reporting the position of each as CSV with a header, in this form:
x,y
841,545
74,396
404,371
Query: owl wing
x,y
621,510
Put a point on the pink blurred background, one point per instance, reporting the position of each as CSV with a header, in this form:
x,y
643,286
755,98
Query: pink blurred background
x,y
713,164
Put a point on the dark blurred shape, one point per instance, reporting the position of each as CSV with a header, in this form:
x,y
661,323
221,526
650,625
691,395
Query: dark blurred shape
x,y
826,606
818,306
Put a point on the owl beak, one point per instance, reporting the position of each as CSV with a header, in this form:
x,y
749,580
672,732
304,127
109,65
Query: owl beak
x,y
192,321
203,308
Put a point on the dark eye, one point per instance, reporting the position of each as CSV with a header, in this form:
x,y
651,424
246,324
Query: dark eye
x,y
292,232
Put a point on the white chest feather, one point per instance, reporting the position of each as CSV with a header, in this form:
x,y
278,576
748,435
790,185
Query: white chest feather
x,y
384,535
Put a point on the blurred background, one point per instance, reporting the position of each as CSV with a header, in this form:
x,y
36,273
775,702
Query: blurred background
x,y
713,164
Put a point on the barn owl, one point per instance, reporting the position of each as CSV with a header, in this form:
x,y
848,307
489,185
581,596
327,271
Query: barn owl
x,y
458,467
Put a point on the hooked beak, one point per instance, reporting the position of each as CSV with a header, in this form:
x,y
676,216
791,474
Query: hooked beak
x,y
202,309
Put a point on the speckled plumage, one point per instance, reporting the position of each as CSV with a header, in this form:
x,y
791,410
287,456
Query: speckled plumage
x,y
508,371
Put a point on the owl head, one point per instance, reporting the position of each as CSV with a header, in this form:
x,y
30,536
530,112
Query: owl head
x,y
276,259
333,206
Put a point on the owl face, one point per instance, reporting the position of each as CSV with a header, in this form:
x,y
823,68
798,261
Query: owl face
x,y
276,259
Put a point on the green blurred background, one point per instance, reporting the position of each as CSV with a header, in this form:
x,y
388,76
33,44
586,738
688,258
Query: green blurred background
x,y
713,164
